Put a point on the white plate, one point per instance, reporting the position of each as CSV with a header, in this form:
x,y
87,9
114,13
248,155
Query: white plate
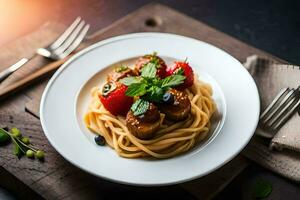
x,y
66,96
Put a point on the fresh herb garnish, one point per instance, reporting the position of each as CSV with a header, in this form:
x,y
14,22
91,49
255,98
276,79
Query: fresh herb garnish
x,y
136,89
150,87
154,94
130,80
172,81
21,144
262,189
3,136
153,60
180,71
149,70
122,68
140,107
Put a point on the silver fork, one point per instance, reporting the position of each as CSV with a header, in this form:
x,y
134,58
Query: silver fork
x,y
65,44
279,111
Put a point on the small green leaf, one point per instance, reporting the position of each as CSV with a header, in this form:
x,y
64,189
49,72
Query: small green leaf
x,y
136,89
172,81
154,93
180,71
262,189
149,70
140,107
130,80
136,104
17,150
4,136
122,68
155,61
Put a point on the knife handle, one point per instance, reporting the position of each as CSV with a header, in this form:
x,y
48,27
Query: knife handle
x,y
28,80
5,73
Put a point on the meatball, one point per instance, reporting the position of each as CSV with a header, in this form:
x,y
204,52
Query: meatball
x,y
176,105
161,71
120,73
144,126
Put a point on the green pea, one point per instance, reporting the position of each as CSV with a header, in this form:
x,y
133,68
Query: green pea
x,y
39,154
25,140
29,153
16,132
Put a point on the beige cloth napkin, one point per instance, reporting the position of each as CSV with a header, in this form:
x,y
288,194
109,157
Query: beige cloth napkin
x,y
281,153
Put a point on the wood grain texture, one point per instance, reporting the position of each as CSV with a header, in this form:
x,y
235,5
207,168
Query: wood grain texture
x,y
12,183
58,179
26,47
209,186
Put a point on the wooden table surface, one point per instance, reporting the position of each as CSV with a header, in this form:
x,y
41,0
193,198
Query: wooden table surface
x,y
48,180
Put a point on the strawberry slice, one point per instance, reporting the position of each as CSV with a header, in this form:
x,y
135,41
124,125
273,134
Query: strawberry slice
x,y
182,68
114,99
161,70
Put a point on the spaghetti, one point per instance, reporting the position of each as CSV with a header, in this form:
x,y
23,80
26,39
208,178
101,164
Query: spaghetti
x,y
170,140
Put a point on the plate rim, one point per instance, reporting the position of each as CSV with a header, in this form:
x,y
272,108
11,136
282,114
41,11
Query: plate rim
x,y
124,37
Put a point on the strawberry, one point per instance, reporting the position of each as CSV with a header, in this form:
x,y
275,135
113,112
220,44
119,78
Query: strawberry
x,y
185,69
161,69
114,99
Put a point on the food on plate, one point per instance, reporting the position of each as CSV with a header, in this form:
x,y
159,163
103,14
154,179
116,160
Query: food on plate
x,y
150,109
121,72
144,126
185,69
176,105
114,99
154,60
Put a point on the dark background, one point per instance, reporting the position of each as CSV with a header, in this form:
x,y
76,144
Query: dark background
x,y
273,26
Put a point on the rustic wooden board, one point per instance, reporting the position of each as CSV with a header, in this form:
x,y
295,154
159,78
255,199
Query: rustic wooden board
x,y
58,179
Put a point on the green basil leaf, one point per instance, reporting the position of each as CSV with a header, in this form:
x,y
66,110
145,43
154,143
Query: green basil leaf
x,y
262,189
180,71
140,107
130,80
136,89
135,105
149,70
4,137
154,93
172,81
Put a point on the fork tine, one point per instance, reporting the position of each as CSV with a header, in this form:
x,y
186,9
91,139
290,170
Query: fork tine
x,y
284,119
273,104
69,40
76,42
66,34
280,105
283,109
